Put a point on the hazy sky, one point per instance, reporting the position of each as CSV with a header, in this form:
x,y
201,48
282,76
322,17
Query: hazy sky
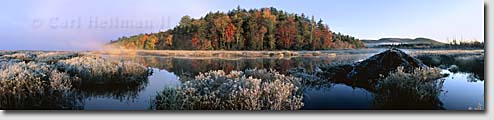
x,y
87,24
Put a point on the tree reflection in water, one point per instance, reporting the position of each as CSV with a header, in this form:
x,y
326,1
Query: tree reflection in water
x,y
120,91
193,66
47,101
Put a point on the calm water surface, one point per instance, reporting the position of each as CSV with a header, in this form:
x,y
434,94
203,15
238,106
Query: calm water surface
x,y
462,89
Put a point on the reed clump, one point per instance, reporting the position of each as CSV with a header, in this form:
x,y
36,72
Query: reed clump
x,y
250,90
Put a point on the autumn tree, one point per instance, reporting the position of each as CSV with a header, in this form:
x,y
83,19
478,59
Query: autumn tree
x,y
142,41
326,36
221,23
269,21
195,41
151,41
286,32
238,17
229,35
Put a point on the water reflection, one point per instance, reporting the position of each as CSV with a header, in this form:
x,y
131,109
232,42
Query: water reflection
x,y
460,93
119,91
138,96
47,101
191,67
328,95
337,97
394,100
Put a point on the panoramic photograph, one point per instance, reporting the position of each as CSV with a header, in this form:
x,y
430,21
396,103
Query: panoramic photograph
x,y
247,55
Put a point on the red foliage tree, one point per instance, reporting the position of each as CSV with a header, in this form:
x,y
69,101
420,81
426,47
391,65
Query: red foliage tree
x,y
195,42
327,36
142,40
230,32
287,32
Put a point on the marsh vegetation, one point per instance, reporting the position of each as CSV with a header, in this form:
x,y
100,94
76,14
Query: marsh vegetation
x,y
250,90
55,80
419,89
70,80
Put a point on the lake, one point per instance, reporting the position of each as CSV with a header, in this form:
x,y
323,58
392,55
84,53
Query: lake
x,y
463,88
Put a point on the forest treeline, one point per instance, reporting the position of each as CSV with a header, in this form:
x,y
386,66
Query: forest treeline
x,y
455,44
240,29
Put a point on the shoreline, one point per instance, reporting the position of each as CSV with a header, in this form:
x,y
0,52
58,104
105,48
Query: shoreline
x,y
256,54
212,53
251,54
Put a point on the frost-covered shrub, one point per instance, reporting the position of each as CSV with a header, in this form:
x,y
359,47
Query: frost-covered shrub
x,y
249,90
96,70
22,56
3,63
58,80
310,79
31,77
4,52
106,77
418,89
38,56
53,57
34,86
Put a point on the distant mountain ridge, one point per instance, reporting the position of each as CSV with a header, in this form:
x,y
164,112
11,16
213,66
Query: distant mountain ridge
x,y
394,41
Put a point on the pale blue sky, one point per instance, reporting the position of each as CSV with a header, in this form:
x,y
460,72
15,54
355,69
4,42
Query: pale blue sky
x,y
42,24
